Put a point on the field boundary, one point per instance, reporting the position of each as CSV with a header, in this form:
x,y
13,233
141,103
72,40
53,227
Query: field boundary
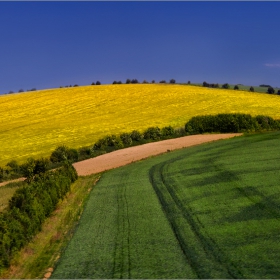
x,y
132,154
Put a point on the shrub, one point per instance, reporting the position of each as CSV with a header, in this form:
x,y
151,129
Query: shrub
x,y
162,82
136,135
101,144
14,166
33,167
179,132
172,81
267,123
114,141
98,83
222,123
236,87
92,83
110,141
126,138
167,131
63,153
270,90
84,153
152,133
251,89
29,207
226,86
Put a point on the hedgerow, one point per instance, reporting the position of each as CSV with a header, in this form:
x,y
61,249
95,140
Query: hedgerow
x,y
29,207
220,123
224,123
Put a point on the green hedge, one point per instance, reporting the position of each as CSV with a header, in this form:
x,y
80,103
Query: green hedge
x,y
29,207
221,123
225,123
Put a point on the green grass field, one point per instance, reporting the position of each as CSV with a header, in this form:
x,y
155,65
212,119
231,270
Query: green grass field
x,y
210,211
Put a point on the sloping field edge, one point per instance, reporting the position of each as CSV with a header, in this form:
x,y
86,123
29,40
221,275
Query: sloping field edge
x,y
128,155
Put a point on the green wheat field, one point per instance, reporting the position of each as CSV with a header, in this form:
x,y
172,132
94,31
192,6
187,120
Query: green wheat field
x,y
210,211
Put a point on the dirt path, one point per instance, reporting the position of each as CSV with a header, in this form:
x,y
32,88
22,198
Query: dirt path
x,y
125,156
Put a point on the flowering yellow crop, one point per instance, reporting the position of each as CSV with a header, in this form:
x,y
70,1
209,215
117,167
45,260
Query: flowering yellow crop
x,y
35,123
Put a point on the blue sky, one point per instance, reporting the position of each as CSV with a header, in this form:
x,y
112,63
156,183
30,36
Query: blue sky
x,y
52,44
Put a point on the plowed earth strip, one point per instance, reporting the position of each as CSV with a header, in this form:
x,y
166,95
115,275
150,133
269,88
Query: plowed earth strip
x,y
126,156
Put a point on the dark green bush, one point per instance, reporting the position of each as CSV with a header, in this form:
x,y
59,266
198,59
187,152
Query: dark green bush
x,y
126,139
85,153
136,135
270,90
108,143
267,123
225,123
29,207
152,133
63,153
167,131
34,167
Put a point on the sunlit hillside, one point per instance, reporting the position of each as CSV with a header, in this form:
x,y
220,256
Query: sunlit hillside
x,y
35,123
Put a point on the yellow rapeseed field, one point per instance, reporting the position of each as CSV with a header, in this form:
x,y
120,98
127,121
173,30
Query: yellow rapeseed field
x,y
35,123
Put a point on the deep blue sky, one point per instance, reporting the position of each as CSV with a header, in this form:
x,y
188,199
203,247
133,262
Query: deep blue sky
x,y
52,44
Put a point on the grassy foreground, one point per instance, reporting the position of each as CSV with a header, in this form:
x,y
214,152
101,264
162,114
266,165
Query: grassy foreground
x,y
33,124
210,211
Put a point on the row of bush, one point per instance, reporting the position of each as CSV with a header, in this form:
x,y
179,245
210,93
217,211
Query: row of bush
x,y
109,143
225,123
221,123
270,89
29,207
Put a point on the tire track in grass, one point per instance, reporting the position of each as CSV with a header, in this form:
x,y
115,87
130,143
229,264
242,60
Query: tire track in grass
x,y
209,245
122,261
128,233
266,203
204,256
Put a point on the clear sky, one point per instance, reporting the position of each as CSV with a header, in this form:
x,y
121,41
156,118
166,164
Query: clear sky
x,y
52,44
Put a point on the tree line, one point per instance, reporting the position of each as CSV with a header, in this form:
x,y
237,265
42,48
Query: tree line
x,y
29,207
32,167
270,89
230,123
220,123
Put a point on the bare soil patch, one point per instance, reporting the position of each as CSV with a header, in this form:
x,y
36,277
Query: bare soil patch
x,y
126,156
